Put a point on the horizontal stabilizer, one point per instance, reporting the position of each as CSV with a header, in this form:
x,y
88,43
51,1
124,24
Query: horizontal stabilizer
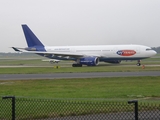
x,y
16,49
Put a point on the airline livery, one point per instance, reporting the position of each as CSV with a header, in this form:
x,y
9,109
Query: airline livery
x,y
85,55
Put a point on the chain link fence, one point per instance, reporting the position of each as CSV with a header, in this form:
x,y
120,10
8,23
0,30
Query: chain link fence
x,y
20,108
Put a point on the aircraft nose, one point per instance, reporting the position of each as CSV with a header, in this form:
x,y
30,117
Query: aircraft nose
x,y
154,52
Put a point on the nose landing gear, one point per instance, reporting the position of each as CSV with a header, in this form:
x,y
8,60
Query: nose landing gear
x,y
139,63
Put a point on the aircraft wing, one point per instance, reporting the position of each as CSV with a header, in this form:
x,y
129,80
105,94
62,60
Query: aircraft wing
x,y
59,54
64,54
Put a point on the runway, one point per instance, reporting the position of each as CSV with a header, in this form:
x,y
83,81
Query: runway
x,y
76,75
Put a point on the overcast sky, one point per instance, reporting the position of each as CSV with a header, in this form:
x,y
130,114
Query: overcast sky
x,y
80,22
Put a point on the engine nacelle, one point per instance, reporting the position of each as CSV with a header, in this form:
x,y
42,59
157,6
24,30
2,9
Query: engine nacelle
x,y
89,61
113,61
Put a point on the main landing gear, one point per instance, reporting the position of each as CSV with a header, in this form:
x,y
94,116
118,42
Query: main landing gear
x,y
139,63
76,65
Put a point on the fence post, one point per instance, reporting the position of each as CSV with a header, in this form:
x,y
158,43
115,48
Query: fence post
x,y
13,105
135,102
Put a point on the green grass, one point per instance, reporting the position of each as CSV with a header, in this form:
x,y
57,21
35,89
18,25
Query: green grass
x,y
40,70
27,108
109,88
72,97
51,108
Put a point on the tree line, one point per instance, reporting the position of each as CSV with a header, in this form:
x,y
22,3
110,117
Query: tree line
x,y
157,49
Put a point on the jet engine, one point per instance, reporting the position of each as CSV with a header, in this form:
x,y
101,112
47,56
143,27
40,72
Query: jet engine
x,y
89,61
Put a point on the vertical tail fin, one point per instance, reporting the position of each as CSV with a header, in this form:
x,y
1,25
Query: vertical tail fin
x,y
31,38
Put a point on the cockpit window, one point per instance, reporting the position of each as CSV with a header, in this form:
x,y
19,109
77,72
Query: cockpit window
x,y
148,49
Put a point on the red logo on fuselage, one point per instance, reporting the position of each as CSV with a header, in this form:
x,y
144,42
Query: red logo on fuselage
x,y
126,52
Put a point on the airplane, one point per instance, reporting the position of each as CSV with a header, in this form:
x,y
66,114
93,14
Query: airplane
x,y
89,55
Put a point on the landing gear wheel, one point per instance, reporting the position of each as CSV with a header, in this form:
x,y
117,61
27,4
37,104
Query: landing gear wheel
x,y
138,64
76,65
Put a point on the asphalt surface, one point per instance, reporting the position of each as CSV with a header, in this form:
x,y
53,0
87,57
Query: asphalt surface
x,y
145,115
76,75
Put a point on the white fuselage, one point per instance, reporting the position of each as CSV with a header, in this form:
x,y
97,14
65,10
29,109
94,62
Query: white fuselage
x,y
122,52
